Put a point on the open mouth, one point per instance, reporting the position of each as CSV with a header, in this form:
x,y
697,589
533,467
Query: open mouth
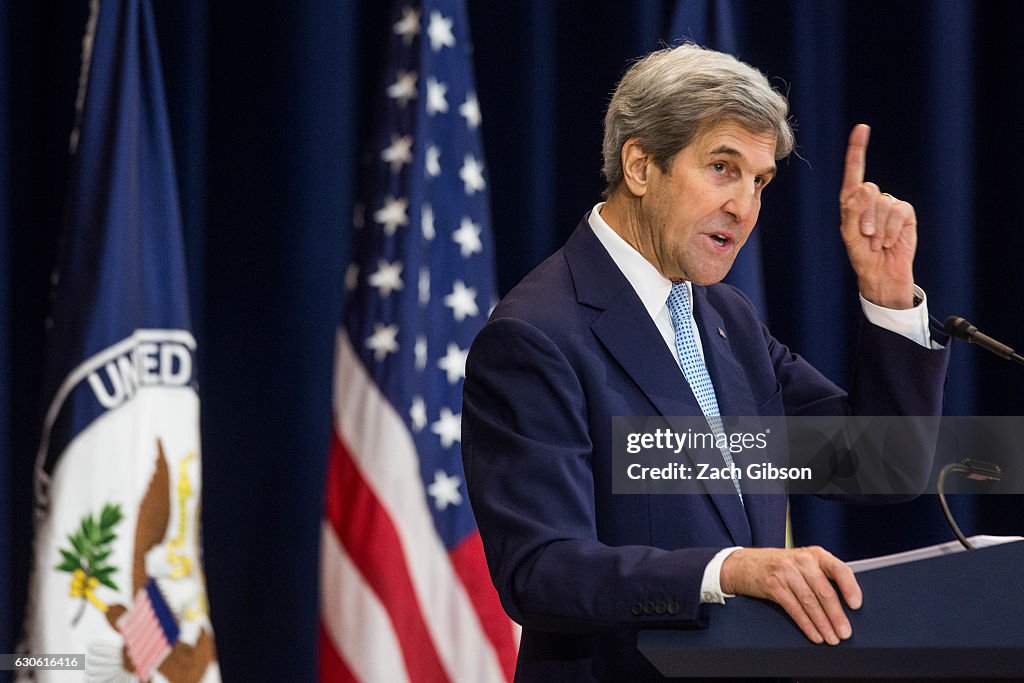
x,y
720,239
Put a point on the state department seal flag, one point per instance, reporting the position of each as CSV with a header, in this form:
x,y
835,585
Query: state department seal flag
x,y
405,593
117,568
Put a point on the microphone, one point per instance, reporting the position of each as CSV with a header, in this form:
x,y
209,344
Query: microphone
x,y
956,326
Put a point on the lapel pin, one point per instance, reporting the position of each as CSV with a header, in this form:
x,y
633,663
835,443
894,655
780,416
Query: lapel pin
x,y
721,333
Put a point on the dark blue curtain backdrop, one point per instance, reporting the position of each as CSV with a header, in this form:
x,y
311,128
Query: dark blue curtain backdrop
x,y
5,367
267,111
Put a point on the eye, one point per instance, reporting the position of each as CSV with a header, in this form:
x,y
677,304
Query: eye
x,y
719,167
759,181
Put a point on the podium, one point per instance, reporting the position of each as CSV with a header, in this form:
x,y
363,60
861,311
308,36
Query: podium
x,y
960,615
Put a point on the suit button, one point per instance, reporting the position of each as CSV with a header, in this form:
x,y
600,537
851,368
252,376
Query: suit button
x,y
659,608
648,608
673,607
637,609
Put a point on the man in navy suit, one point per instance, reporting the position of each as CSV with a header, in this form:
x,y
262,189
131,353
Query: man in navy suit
x,y
630,318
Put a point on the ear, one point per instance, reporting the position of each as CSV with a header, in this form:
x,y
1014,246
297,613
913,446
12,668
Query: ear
x,y
636,167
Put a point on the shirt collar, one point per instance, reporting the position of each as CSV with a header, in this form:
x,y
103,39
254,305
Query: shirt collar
x,y
651,286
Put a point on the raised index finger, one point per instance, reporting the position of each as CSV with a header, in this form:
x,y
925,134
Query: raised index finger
x,y
856,157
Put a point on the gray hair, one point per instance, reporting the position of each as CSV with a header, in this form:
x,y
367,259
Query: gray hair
x,y
671,96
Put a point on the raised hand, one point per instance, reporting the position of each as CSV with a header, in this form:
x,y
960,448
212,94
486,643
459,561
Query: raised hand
x,y
880,231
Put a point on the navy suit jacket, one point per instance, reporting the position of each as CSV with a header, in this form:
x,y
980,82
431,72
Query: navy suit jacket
x,y
567,349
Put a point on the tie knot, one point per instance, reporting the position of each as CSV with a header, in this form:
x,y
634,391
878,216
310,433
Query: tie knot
x,y
679,301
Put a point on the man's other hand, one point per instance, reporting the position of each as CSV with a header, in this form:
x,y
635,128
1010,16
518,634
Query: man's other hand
x,y
800,580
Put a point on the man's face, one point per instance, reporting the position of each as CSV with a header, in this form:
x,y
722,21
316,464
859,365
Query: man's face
x,y
695,218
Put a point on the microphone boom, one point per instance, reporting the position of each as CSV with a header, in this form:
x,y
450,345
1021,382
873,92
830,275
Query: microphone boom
x,y
959,328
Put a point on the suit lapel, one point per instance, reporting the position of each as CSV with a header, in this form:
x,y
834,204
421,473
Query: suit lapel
x,y
731,386
632,339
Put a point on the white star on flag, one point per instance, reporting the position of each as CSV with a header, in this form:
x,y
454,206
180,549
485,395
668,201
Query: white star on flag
x,y
398,153
404,88
419,350
418,414
427,221
436,102
472,174
383,341
352,276
408,26
440,32
392,214
454,363
448,427
470,110
387,278
424,286
445,490
462,301
468,237
433,161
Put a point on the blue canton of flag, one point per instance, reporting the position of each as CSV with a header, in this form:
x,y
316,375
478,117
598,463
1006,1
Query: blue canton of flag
x,y
405,589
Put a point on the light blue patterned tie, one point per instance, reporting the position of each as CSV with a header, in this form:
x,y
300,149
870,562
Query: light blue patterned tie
x,y
692,364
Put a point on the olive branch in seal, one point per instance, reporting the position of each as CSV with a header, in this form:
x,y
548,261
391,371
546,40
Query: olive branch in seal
x,y
86,560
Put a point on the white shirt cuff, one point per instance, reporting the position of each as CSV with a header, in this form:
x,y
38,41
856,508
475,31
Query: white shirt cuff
x,y
911,323
711,586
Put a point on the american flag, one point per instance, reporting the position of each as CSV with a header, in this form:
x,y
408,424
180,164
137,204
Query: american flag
x,y
405,593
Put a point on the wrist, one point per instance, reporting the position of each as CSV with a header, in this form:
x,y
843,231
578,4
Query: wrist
x,y
727,574
895,296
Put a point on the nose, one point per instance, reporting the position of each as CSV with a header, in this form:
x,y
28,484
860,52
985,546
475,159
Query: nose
x,y
743,205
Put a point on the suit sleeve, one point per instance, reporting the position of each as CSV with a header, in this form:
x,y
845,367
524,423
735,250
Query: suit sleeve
x,y
896,376
527,454
892,376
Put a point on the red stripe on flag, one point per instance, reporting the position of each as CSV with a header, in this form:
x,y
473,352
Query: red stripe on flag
x,y
332,667
471,567
365,529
